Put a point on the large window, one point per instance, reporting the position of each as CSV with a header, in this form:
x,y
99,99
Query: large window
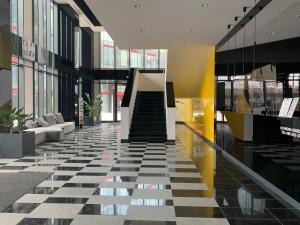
x,y
18,86
122,58
136,58
45,24
112,57
107,51
17,17
151,58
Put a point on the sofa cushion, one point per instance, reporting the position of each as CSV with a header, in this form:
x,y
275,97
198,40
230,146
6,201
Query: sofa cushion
x,y
59,118
68,127
50,118
42,122
40,134
31,124
54,134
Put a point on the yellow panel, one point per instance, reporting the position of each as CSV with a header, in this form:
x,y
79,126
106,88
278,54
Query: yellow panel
x,y
236,123
207,96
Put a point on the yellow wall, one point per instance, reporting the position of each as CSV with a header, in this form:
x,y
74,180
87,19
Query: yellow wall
x,y
207,94
184,110
185,68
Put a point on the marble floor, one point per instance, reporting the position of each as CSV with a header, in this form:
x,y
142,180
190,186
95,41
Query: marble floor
x,y
98,180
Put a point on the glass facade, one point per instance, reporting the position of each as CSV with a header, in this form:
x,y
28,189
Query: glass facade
x,y
114,58
44,89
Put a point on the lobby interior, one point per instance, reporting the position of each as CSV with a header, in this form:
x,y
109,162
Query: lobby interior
x,y
139,112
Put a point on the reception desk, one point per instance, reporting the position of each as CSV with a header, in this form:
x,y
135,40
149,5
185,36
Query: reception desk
x,y
263,129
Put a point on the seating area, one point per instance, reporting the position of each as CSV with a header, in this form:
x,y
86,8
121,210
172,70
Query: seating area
x,y
50,127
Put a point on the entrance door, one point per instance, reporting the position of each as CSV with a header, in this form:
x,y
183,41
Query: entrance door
x,y
112,95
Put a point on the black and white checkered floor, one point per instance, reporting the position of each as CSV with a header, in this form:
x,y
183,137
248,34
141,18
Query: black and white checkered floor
x,y
96,180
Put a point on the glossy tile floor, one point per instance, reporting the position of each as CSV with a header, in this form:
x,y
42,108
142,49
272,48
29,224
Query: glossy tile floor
x,y
278,163
97,180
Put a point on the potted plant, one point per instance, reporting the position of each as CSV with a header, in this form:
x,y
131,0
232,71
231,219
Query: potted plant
x,y
93,109
16,143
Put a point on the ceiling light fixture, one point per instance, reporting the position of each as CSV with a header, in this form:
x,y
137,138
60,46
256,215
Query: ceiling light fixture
x,y
137,6
273,33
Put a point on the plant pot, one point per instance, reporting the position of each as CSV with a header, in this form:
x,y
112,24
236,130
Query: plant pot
x,y
17,145
91,120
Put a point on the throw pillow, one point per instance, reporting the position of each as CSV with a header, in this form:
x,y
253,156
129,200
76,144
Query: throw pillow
x,y
50,118
59,118
42,122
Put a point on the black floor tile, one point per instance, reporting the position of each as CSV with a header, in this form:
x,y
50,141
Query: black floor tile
x,y
153,166
44,190
81,185
113,192
204,212
91,174
290,222
153,175
189,193
59,178
247,213
120,179
152,202
21,208
125,169
183,170
78,161
66,200
286,214
65,168
185,180
37,221
106,210
252,222
129,161
148,222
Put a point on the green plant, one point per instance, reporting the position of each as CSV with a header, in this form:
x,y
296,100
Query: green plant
x,y
15,118
93,108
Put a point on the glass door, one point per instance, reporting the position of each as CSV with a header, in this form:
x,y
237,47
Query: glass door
x,y
107,90
112,95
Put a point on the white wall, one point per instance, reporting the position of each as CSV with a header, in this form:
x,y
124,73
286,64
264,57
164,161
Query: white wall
x,y
151,82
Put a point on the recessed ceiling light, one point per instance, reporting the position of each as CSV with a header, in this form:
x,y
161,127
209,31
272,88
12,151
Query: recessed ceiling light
x,y
205,4
137,6
273,33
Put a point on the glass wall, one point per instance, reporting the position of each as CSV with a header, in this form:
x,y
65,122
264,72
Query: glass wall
x,y
45,24
112,57
107,51
17,12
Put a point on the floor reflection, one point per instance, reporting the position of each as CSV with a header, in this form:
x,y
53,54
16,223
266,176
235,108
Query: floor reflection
x,y
239,197
278,163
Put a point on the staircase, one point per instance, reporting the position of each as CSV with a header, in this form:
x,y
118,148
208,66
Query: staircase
x,y
148,120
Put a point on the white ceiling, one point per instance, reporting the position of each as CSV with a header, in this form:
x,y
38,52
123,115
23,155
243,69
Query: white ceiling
x,y
167,23
278,21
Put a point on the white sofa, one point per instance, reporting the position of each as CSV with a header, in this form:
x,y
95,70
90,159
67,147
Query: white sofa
x,y
52,132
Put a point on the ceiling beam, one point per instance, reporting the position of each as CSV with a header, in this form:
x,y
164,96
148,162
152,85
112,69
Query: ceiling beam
x,y
243,22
